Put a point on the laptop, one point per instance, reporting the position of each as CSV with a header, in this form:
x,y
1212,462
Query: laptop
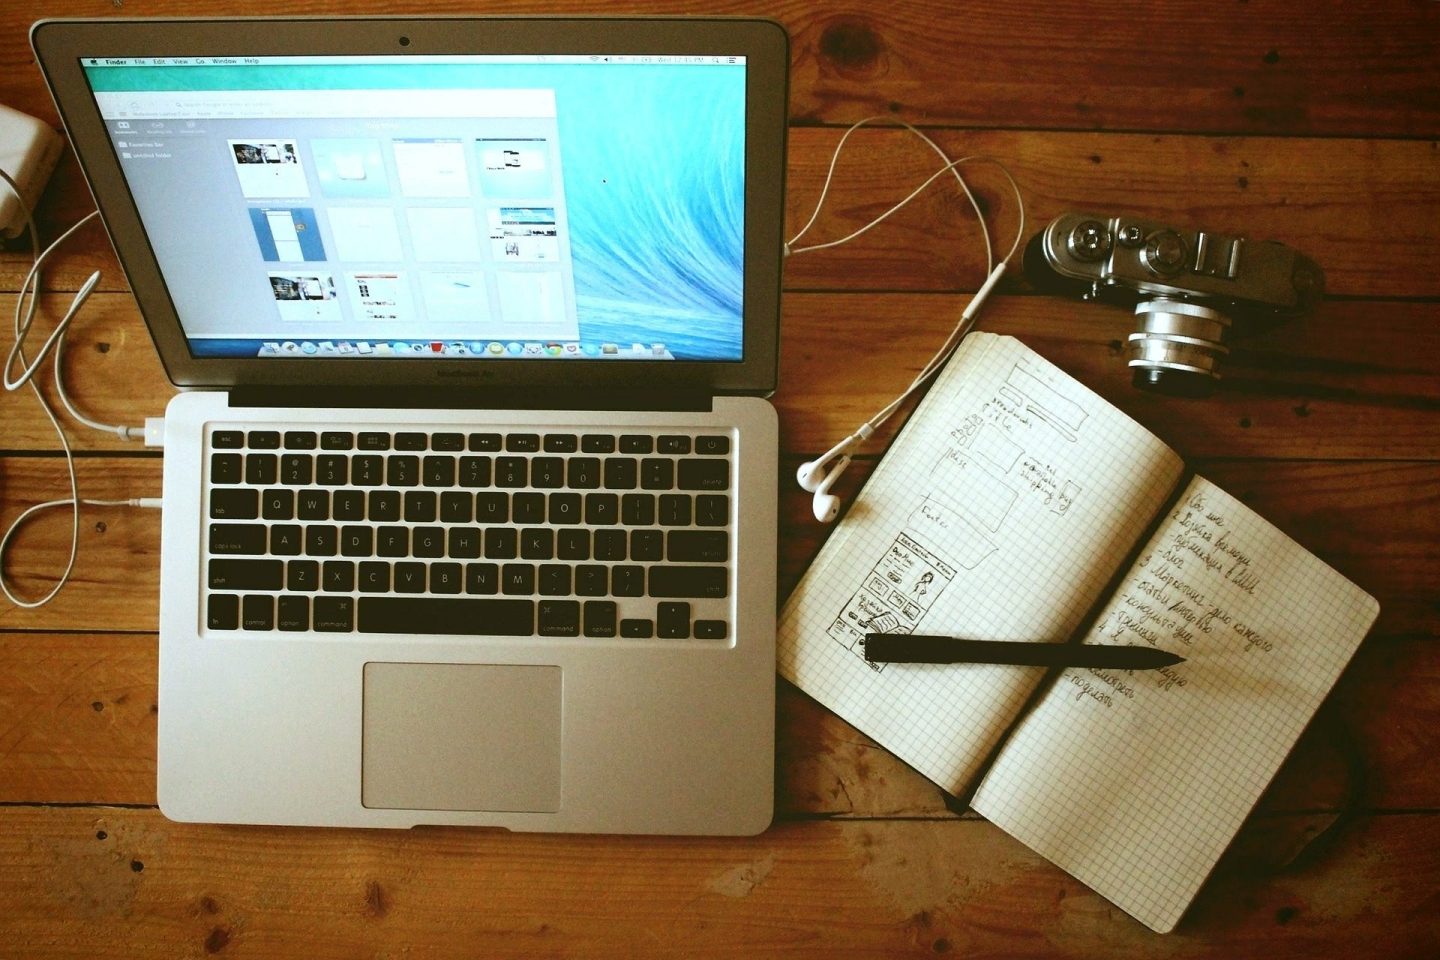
x,y
470,488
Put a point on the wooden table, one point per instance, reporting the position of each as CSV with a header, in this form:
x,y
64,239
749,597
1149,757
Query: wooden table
x,y
1314,124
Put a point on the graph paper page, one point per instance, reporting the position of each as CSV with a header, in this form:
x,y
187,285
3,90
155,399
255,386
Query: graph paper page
x,y
1136,781
1001,510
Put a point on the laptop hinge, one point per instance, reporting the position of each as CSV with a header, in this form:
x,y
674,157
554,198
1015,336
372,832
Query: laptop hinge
x,y
467,398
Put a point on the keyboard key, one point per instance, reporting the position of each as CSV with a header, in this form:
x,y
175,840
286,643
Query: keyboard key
x,y
227,439
411,441
374,441
621,473
402,470
427,541
517,579
484,442
561,443
492,507
409,577
335,614
222,611
591,580
278,505
447,441
712,446
302,576
637,509
584,473
332,469
554,580
464,543
234,504
547,472
263,440
675,510
312,505
225,468
602,509
537,543
446,578
610,545
447,615
300,440
522,442
637,629
597,443
637,443
392,542
293,613
337,576
704,475
438,471
384,506
564,507
261,469
456,507
482,578
627,580
501,543
421,506
286,539
647,544
710,629
511,471
672,444
336,440
672,621
559,618
241,538
702,546
348,505
357,541
528,508
712,510
474,471
374,577
572,544
321,540
599,618
229,574
684,581
657,474
367,469
257,612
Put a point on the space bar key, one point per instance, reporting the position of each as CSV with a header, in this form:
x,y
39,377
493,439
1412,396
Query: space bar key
x,y
442,615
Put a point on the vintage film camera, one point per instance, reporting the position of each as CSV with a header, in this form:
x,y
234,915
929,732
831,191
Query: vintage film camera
x,y
1188,287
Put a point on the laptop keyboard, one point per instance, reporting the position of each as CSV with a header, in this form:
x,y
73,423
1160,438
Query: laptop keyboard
x,y
550,534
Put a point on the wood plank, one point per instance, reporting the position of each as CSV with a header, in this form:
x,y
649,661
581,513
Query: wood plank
x,y
83,878
1345,68
1363,209
80,709
1358,379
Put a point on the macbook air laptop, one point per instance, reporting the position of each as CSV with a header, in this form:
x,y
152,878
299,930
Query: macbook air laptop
x,y
470,491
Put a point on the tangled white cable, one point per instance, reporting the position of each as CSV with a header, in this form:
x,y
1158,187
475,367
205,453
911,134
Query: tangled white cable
x,y
26,305
818,476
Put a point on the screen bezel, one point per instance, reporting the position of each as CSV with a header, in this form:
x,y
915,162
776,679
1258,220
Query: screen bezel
x,y
60,44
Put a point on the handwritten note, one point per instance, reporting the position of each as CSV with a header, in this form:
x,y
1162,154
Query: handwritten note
x,y
1136,781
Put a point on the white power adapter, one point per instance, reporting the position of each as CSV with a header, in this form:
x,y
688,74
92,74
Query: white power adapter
x,y
29,150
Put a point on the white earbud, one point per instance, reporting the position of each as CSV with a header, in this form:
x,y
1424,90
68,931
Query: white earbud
x,y
827,504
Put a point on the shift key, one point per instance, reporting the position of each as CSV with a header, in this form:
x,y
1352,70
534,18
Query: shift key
x,y
231,574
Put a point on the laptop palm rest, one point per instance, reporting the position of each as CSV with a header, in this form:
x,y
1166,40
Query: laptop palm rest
x,y
446,736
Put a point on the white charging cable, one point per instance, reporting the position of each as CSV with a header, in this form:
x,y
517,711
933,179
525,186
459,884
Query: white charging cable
x,y
26,304
818,476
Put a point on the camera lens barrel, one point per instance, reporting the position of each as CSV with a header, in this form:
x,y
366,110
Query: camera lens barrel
x,y
1176,346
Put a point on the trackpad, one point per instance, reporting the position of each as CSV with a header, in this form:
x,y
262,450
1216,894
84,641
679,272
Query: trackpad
x,y
461,736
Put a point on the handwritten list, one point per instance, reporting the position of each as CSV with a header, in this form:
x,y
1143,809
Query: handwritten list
x,y
1136,781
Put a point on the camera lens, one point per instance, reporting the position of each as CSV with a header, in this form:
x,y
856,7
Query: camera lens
x,y
1176,347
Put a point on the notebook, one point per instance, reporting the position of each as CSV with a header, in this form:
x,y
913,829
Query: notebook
x,y
469,496
1018,505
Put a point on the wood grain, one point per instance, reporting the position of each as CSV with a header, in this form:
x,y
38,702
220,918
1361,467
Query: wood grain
x,y
84,877
1331,68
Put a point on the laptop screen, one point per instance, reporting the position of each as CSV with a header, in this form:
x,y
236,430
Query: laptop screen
x,y
482,207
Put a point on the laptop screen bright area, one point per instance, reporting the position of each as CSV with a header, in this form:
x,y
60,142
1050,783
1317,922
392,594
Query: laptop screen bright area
x,y
495,208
